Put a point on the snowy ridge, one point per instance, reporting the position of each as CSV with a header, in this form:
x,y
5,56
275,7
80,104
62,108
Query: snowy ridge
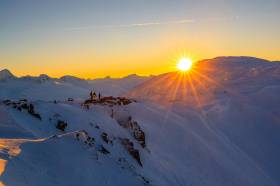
x,y
44,87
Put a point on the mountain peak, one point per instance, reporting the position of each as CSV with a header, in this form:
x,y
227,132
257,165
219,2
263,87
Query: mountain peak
x,y
5,74
238,59
69,77
132,76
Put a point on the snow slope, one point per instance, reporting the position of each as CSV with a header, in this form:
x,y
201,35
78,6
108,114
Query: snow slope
x,y
225,133
236,98
39,158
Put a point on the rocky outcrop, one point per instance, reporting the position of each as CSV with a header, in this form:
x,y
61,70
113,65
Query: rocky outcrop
x,y
135,129
23,105
138,133
61,125
129,146
105,138
109,101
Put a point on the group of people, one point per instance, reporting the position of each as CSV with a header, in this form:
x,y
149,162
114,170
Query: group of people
x,y
93,95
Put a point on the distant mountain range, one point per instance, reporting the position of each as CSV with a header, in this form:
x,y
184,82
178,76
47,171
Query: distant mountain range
x,y
77,86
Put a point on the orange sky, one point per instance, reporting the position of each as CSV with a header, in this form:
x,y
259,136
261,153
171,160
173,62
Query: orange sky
x,y
97,39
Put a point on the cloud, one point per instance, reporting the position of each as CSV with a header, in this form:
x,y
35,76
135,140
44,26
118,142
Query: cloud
x,y
146,24
184,21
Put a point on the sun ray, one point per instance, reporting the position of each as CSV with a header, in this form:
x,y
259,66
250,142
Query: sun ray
x,y
193,89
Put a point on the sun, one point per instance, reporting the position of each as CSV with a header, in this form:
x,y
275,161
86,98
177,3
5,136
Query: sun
x,y
184,64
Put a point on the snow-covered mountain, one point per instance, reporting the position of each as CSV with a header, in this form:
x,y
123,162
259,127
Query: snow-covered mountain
x,y
210,80
218,125
75,81
118,86
6,75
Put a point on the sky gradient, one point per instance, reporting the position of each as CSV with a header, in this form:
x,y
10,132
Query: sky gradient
x,y
119,37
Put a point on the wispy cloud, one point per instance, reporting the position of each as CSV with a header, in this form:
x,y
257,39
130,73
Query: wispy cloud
x,y
160,23
146,24
184,21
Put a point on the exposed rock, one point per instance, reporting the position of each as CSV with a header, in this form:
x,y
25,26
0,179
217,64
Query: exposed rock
x,y
105,138
61,125
23,105
85,138
33,113
135,129
36,115
7,102
139,134
31,109
146,181
78,136
110,101
129,146
103,150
